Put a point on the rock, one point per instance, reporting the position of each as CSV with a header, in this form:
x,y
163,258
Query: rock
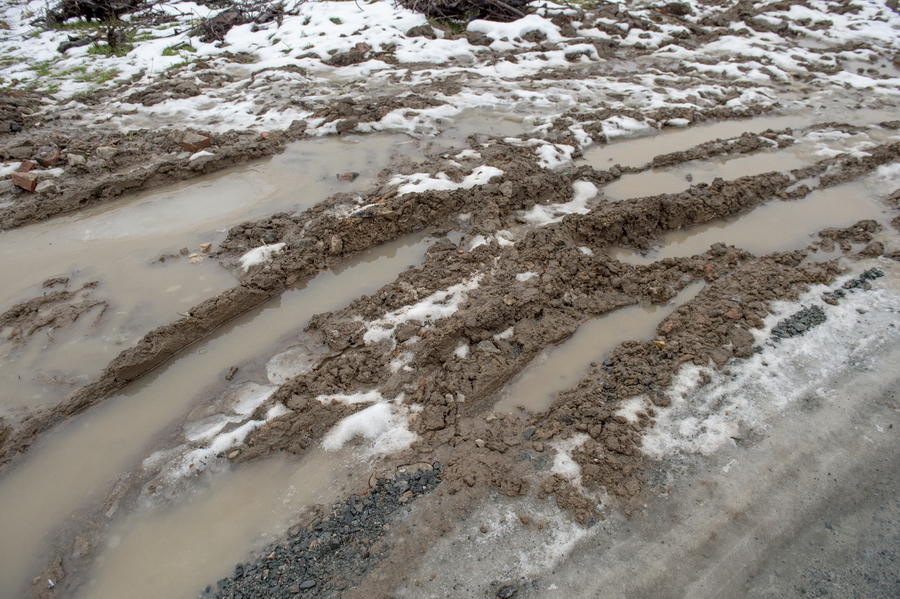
x,y
349,176
205,247
48,156
20,152
195,258
15,127
337,244
476,38
488,346
194,142
76,160
27,181
184,251
426,31
307,584
507,592
106,152
49,187
679,9
347,125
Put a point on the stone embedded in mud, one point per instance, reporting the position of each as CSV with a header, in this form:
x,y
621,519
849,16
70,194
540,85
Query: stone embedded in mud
x,y
348,176
194,142
106,152
27,181
76,159
48,156
49,187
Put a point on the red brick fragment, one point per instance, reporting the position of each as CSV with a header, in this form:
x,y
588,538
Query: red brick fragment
x,y
27,181
194,142
26,166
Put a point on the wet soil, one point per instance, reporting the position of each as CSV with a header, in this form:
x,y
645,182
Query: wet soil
x,y
453,368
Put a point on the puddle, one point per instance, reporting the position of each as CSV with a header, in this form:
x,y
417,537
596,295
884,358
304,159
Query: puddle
x,y
639,151
78,462
674,180
119,243
175,551
490,123
776,226
562,366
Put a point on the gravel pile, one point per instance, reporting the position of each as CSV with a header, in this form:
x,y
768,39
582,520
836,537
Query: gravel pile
x,y
331,553
798,322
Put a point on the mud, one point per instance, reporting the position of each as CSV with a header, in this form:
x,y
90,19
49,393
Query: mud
x,y
54,310
506,287
106,165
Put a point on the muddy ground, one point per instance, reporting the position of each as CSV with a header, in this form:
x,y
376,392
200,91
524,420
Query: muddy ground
x,y
453,369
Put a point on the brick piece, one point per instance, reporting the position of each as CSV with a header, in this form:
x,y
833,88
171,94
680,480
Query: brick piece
x,y
194,142
27,181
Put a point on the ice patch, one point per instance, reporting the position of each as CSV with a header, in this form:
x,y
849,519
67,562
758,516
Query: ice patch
x,y
563,464
422,182
383,424
525,276
544,215
259,255
200,154
505,334
703,418
352,398
290,363
461,351
436,306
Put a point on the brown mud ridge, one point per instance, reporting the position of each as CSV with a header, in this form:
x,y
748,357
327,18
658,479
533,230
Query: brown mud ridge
x,y
58,308
326,234
99,166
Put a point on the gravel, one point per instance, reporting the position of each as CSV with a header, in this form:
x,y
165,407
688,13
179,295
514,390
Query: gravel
x,y
332,553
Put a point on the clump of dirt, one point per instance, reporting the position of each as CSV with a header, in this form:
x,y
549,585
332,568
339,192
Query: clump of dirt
x,y
53,310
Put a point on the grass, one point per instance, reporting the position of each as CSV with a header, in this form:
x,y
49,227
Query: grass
x,y
178,50
98,76
455,27
98,49
336,20
42,69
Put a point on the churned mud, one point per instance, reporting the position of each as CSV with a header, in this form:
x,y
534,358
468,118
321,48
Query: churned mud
x,y
512,241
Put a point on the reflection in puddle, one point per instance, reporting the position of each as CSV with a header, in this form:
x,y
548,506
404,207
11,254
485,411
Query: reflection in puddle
x,y
639,151
674,180
81,458
119,243
776,226
562,366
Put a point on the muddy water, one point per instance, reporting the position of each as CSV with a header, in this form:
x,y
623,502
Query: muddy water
x,y
776,226
77,463
177,550
639,151
674,180
118,244
562,366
